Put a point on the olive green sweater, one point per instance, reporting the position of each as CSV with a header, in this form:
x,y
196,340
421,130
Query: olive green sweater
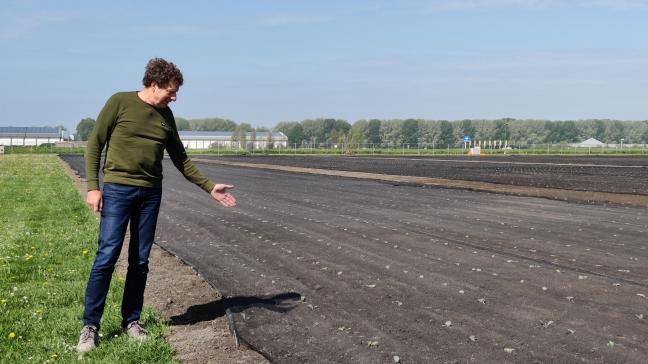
x,y
135,135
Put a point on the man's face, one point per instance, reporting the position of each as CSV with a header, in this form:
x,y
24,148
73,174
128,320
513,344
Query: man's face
x,y
162,96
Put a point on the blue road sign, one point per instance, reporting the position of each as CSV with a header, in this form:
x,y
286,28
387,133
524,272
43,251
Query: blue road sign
x,y
466,138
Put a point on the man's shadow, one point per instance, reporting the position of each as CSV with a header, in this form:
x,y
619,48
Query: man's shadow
x,y
282,302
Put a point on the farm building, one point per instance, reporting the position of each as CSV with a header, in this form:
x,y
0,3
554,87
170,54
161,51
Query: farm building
x,y
229,139
589,143
29,136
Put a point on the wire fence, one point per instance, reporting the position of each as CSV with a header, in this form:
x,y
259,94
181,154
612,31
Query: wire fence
x,y
433,149
423,149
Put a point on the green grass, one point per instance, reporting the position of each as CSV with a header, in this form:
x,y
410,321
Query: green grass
x,y
47,246
42,150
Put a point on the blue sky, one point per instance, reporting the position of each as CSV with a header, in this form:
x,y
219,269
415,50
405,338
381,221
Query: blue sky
x,y
266,61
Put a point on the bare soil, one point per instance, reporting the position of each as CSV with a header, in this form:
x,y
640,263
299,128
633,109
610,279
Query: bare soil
x,y
627,175
326,269
519,189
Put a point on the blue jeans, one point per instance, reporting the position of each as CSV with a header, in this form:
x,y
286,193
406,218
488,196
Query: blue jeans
x,y
121,204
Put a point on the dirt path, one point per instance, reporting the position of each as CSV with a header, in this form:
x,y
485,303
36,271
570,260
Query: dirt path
x,y
198,328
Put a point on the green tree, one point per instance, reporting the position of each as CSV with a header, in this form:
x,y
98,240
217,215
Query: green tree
x,y
617,132
569,132
356,135
313,130
319,130
644,135
428,131
284,126
84,129
343,137
332,136
502,130
467,128
334,128
245,127
409,131
561,131
390,132
372,132
342,126
212,124
182,124
446,133
293,130
552,132
599,133
295,134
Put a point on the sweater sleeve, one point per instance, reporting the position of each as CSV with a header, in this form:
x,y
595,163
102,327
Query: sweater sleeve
x,y
98,139
180,160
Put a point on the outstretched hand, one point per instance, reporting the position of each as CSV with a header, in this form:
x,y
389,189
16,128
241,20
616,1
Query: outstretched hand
x,y
220,194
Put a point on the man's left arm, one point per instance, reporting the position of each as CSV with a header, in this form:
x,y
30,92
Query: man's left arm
x,y
182,162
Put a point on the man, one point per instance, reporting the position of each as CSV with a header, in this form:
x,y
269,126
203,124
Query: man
x,y
135,128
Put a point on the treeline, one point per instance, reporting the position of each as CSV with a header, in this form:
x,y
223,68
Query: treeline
x,y
419,131
214,124
85,126
443,132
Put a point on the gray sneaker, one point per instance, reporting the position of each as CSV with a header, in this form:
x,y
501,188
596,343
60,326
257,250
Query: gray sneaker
x,y
88,340
135,330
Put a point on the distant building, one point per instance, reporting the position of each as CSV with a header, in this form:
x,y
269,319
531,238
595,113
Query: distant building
x,y
227,139
589,143
29,136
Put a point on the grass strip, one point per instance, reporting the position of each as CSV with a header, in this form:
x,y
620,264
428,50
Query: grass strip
x,y
48,240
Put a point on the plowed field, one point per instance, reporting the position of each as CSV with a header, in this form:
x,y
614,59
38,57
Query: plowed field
x,y
334,270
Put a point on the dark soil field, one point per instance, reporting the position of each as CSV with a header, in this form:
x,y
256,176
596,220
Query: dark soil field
x,y
334,270
603,174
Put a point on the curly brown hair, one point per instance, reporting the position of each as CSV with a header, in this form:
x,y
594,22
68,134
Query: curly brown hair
x,y
162,73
